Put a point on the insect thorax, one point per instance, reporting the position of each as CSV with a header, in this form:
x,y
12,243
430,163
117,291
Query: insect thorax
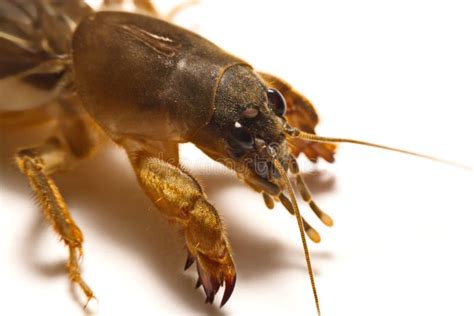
x,y
142,76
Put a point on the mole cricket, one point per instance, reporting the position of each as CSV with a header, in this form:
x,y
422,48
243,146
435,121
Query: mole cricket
x,y
99,67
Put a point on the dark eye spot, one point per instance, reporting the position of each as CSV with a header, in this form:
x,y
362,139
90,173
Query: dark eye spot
x,y
243,136
250,112
276,101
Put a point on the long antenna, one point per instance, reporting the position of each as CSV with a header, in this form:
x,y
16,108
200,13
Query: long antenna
x,y
321,139
299,219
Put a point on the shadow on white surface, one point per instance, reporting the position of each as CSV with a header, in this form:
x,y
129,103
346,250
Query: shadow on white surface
x,y
104,196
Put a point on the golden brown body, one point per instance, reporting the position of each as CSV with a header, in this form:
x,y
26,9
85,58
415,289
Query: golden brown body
x,y
149,85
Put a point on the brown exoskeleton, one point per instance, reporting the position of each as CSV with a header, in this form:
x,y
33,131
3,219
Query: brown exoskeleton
x,y
149,86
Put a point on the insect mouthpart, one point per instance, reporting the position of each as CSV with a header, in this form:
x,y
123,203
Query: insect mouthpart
x,y
262,163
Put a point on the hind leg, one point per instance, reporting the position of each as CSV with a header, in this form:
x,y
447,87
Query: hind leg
x,y
302,115
38,164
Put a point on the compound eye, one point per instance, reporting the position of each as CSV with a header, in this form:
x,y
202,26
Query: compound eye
x,y
243,136
277,102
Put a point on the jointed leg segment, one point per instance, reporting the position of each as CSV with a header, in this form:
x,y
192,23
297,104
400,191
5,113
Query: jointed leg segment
x,y
180,198
37,164
76,139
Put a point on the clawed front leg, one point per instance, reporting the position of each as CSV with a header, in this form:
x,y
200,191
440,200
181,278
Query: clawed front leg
x,y
179,197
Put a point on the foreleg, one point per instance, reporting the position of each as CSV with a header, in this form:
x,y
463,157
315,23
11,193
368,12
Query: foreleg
x,y
180,198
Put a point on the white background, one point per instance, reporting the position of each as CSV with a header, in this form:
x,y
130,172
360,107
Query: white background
x,y
394,72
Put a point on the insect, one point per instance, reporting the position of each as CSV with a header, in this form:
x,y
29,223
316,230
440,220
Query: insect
x,y
166,47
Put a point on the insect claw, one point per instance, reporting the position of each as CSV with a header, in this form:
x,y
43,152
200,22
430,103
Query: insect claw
x,y
213,276
198,283
229,288
210,298
216,285
89,299
189,262
205,279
